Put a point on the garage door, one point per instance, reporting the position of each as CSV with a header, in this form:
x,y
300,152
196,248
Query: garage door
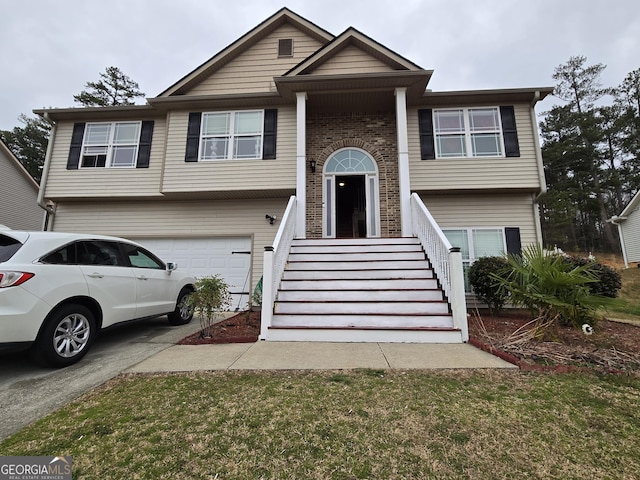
x,y
229,257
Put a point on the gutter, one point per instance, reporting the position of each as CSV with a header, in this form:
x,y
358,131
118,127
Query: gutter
x,y
47,205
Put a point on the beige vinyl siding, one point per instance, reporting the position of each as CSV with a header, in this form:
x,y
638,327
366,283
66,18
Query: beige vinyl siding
x,y
253,70
230,175
489,211
104,182
19,209
182,219
352,59
631,236
476,173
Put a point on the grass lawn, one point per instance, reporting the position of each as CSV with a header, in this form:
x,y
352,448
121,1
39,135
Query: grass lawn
x,y
627,305
347,425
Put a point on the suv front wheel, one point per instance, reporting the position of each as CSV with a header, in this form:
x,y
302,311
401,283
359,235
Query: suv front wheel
x,y
65,336
184,311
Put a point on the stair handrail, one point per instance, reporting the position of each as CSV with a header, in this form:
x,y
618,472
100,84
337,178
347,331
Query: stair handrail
x,y
275,260
445,260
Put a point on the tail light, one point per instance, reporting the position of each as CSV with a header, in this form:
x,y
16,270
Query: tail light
x,y
12,279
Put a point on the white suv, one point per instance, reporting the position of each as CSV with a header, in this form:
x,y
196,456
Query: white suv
x,y
57,290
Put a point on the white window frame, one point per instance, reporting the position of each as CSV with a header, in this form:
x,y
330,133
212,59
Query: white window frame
x,y
467,133
110,147
231,136
467,262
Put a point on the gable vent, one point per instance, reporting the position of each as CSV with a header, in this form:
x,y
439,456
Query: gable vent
x,y
285,47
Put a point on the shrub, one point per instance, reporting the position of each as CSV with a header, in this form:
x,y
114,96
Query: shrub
x,y
209,300
484,286
608,282
552,288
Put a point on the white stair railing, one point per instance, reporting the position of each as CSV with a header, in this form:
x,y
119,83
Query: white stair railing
x,y
275,259
446,261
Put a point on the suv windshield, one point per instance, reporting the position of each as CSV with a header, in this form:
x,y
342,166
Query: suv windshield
x,y
8,246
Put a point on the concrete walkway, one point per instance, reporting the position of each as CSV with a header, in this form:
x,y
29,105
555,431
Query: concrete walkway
x,y
317,356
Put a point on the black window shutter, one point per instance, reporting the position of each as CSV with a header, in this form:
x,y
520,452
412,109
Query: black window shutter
x,y
425,126
193,137
270,128
512,236
144,147
509,131
76,146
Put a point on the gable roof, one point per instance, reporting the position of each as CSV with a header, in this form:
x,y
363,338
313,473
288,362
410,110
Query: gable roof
x,y
284,15
633,204
352,36
12,160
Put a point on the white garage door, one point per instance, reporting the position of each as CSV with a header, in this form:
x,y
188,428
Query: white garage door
x,y
229,257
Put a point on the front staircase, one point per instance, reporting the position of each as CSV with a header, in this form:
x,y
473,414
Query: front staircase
x,y
361,290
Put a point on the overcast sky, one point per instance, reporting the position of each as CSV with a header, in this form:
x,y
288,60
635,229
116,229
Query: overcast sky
x,y
51,48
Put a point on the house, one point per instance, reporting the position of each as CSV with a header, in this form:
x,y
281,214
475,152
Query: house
x,y
323,163
628,223
19,209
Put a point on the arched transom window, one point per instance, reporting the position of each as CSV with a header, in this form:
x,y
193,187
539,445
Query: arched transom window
x,y
350,161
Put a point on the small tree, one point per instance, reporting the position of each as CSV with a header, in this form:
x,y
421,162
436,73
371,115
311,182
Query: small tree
x,y
486,288
113,88
209,300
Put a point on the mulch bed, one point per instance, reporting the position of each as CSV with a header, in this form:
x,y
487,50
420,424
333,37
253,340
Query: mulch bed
x,y
241,328
613,348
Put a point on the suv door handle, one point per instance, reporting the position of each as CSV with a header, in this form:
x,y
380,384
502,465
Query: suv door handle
x,y
142,277
95,275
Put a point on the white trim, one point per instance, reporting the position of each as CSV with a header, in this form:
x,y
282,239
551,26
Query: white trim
x,y
301,164
110,145
468,133
329,214
403,162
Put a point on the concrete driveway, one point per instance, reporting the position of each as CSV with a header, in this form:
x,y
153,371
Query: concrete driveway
x,y
29,392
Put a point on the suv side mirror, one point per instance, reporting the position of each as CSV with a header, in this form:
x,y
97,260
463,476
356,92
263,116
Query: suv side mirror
x,y
171,266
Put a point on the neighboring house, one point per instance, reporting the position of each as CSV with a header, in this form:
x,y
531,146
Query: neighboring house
x,y
628,223
19,209
334,136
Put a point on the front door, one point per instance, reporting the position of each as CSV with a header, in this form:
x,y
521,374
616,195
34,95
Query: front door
x,y
350,195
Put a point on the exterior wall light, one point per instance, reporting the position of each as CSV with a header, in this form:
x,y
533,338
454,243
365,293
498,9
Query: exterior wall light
x,y
312,165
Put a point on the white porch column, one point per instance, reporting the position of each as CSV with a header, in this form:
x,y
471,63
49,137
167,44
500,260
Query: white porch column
x,y
403,162
301,164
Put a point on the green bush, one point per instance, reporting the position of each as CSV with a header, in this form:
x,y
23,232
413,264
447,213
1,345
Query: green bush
x,y
209,300
484,286
553,289
609,282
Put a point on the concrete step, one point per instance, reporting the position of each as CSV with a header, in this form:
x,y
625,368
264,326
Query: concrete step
x,y
334,256
362,321
363,308
376,274
359,295
336,284
359,265
381,248
360,335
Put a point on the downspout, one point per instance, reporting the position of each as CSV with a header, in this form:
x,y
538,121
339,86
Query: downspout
x,y
48,206
616,221
541,176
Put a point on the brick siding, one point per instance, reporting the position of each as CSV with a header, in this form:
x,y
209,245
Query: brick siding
x,y
374,133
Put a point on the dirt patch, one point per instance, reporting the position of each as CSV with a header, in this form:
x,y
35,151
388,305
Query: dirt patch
x,y
612,348
241,328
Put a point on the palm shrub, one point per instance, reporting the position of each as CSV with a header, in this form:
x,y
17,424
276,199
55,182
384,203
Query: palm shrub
x,y
556,291
210,298
486,288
